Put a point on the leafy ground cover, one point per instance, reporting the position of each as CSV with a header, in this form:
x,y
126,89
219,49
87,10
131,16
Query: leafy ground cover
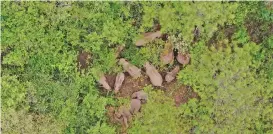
x,y
53,53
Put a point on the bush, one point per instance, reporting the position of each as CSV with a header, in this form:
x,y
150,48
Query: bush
x,y
158,115
44,92
233,97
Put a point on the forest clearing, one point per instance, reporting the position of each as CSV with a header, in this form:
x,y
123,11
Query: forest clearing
x,y
136,67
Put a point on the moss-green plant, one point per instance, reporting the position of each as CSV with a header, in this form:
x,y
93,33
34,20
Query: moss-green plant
x,y
233,97
159,115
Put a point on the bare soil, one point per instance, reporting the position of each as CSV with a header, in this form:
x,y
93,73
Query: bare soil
x,y
257,31
225,31
183,94
83,60
110,113
129,85
179,92
229,31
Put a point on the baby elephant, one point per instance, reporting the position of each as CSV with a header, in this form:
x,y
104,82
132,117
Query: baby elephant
x,y
148,37
131,69
104,83
153,74
135,106
183,59
171,75
123,116
167,56
140,95
119,79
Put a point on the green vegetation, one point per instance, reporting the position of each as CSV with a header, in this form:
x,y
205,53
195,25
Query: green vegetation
x,y
231,67
164,117
232,94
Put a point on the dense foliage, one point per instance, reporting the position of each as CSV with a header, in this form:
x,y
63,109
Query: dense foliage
x,y
44,92
232,94
159,115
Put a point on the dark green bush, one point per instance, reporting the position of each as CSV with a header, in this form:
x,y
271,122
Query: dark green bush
x,y
43,91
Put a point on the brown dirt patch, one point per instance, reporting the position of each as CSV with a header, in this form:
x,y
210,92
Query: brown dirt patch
x,y
83,60
229,31
111,78
129,85
111,119
5,52
110,113
258,30
223,32
181,93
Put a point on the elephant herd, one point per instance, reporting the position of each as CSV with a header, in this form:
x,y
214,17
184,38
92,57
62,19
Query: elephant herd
x,y
124,115
155,77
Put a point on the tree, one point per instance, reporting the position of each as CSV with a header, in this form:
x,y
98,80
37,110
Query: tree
x,y
234,98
